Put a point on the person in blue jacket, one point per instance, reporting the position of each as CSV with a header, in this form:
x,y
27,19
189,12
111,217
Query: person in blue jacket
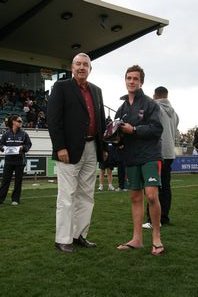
x,y
15,142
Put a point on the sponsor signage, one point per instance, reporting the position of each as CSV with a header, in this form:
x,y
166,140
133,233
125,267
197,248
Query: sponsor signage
x,y
46,167
34,166
185,164
51,167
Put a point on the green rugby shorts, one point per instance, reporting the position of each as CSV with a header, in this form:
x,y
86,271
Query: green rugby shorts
x,y
145,175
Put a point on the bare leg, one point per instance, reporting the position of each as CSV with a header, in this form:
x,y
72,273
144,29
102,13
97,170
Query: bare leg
x,y
155,214
109,176
101,177
137,210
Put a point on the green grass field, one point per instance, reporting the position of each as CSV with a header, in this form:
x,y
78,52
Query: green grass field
x,y
31,267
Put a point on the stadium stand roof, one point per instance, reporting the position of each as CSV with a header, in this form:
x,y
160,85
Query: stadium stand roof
x,y
50,32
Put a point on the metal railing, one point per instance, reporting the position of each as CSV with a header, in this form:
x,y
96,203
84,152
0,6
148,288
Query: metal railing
x,y
110,112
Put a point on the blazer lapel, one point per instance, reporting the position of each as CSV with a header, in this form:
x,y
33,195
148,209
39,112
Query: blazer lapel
x,y
78,93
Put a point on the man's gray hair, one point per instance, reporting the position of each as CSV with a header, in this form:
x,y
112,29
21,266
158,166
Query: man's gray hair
x,y
82,55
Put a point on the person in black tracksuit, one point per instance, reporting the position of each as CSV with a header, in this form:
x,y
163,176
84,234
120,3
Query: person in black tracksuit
x,y
14,143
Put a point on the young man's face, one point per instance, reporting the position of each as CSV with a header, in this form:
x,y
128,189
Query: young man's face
x,y
132,81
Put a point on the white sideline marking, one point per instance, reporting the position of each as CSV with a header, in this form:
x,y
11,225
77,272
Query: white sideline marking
x,y
187,186
99,192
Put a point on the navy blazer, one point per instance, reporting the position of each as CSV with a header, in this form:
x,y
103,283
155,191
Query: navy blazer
x,y
68,119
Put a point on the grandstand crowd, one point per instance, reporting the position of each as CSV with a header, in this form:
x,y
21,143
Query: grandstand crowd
x,y
32,106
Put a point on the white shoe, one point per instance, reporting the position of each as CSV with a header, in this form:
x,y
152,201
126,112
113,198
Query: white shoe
x,y
111,188
14,203
148,225
100,188
118,189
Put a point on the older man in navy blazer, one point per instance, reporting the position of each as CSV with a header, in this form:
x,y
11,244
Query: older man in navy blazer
x,y
76,121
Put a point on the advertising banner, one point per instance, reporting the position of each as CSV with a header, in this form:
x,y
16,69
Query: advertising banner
x,y
34,166
51,167
185,164
46,167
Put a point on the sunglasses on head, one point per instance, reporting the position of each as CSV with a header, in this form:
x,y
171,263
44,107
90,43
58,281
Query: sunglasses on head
x,y
19,121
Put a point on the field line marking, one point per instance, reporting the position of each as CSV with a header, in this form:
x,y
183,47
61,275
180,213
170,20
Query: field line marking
x,y
96,193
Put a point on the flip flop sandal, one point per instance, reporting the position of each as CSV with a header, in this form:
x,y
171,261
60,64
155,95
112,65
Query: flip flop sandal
x,y
159,250
125,247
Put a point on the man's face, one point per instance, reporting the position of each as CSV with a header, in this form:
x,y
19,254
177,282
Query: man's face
x,y
81,68
132,81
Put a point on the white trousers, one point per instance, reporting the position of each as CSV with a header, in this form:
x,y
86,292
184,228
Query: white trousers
x,y
75,200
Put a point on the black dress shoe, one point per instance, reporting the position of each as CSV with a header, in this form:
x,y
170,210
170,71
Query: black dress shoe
x,y
83,242
65,248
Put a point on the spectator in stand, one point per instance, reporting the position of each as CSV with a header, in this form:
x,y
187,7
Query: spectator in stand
x,y
14,97
29,102
41,120
2,101
4,125
31,117
24,100
22,97
170,121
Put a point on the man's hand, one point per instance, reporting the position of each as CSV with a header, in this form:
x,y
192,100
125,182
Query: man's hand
x,y
127,128
63,156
